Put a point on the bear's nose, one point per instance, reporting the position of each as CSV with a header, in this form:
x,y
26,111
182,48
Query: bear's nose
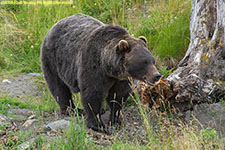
x,y
157,77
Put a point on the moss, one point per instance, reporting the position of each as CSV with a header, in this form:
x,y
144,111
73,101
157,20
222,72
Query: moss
x,y
213,44
203,16
219,37
203,66
206,23
203,22
220,81
221,44
212,50
204,57
204,60
203,41
209,42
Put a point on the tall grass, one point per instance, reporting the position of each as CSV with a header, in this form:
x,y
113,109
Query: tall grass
x,y
164,23
170,135
22,51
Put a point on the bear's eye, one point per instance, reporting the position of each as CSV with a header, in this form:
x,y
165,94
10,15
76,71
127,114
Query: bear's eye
x,y
145,62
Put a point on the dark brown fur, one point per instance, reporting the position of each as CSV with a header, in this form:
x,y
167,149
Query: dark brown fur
x,y
81,54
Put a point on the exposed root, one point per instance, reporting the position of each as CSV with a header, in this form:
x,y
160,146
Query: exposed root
x,y
161,95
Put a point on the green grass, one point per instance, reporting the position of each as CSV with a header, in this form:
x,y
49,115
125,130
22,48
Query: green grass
x,y
45,103
222,101
12,102
22,27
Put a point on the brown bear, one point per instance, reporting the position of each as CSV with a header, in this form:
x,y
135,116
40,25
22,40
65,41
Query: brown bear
x,y
81,54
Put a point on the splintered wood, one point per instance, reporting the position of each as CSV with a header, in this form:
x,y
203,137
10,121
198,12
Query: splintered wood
x,y
159,95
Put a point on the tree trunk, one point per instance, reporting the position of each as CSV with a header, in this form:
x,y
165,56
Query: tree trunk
x,y
200,76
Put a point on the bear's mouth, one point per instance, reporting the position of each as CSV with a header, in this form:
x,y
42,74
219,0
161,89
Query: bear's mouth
x,y
149,83
144,79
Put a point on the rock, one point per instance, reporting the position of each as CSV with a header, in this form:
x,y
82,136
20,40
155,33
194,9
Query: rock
x,y
31,117
26,144
28,123
208,116
58,125
44,137
6,81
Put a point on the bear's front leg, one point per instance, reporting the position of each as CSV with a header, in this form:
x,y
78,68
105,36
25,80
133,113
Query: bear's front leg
x,y
118,94
92,100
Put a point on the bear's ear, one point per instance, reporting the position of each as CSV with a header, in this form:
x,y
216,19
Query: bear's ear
x,y
143,39
123,46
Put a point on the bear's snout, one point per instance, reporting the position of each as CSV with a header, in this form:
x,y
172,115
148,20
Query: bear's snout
x,y
156,77
152,75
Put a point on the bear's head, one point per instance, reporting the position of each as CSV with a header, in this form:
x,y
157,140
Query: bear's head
x,y
139,62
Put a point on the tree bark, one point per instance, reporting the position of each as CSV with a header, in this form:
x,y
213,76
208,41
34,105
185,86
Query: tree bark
x,y
200,76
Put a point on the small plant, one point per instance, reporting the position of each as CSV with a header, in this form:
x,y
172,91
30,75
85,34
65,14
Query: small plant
x,y
3,126
209,138
209,134
166,72
222,101
3,107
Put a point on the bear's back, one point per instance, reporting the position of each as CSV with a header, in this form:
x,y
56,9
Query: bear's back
x,y
71,30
